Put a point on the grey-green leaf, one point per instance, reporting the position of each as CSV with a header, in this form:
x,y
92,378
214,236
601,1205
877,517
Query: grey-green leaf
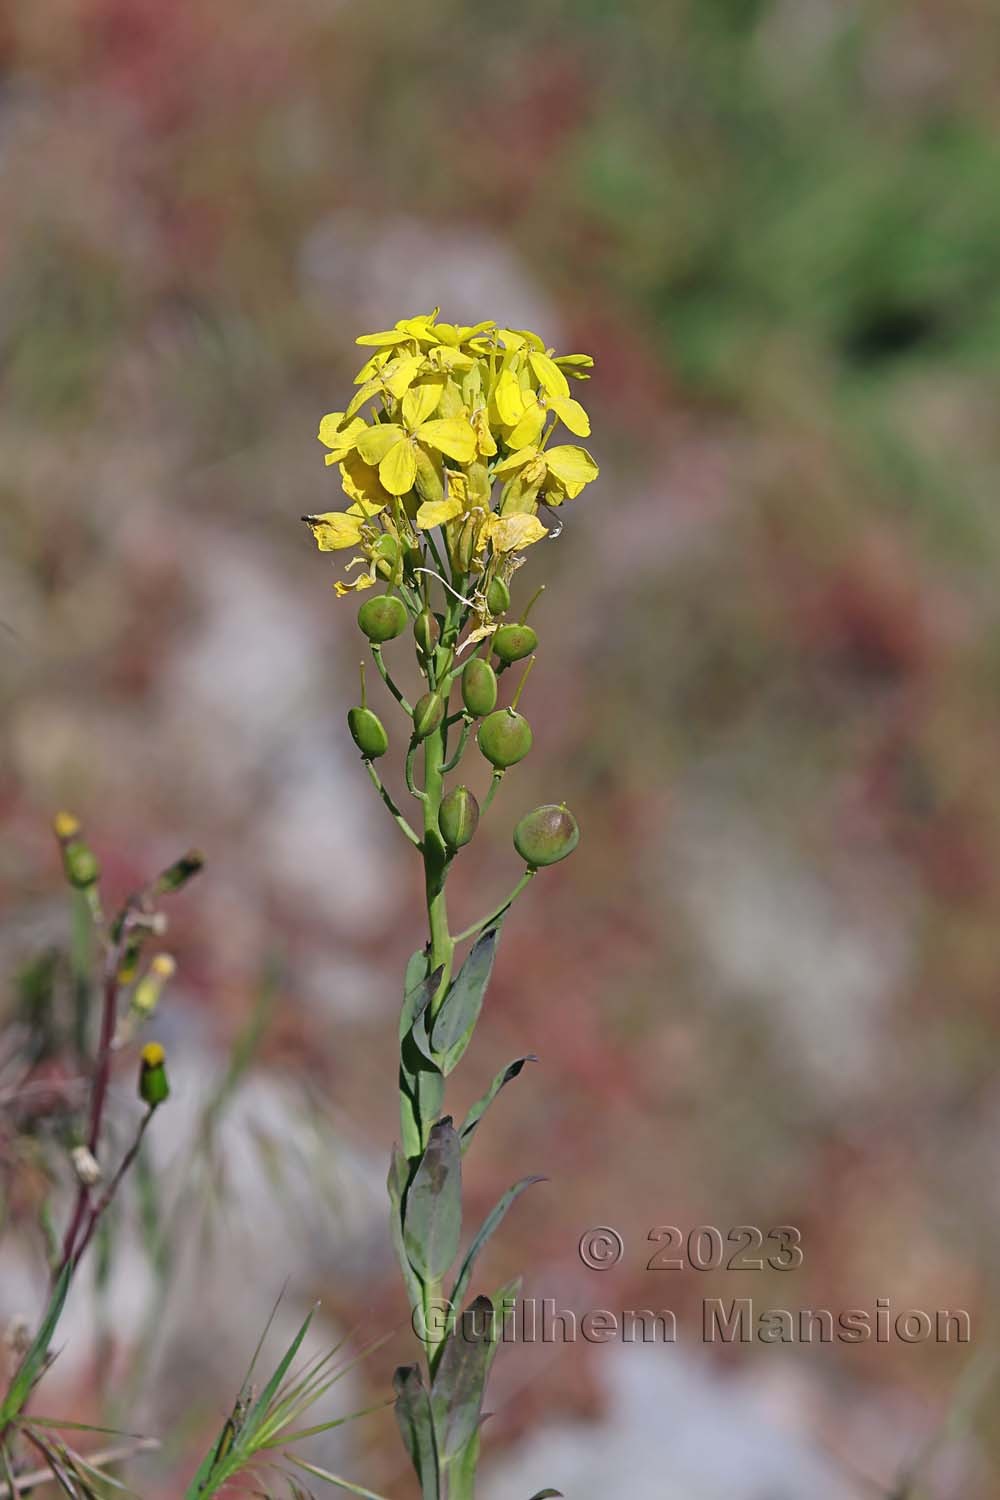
x,y
397,1191
505,1076
460,1379
456,1020
432,1214
416,1425
485,1230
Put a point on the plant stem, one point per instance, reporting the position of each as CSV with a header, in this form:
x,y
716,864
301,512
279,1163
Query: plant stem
x,y
386,796
494,916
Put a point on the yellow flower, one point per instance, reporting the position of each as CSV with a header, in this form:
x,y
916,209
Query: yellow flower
x,y
562,471
392,447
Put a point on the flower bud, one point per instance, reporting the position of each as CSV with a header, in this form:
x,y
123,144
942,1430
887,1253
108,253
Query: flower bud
x,y
479,687
367,732
497,597
65,826
426,631
512,642
180,872
458,818
428,712
505,738
547,835
80,864
153,1085
146,995
382,618
428,481
385,556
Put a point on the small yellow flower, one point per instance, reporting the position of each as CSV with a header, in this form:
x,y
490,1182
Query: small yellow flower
x,y
153,1055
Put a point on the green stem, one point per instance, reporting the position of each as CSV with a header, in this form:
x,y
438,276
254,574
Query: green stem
x,y
495,916
460,749
386,796
386,678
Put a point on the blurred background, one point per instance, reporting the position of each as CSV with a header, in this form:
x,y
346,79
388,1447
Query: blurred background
x,y
764,991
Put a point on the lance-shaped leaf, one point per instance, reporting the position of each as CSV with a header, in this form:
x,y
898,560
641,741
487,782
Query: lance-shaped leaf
x,y
416,1425
463,1468
421,1085
480,1107
32,1366
397,1191
460,1378
487,1227
456,1020
432,1216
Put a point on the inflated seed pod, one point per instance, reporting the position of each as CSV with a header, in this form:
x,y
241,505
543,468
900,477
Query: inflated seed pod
x,y
504,738
382,618
426,631
498,597
547,835
428,712
80,864
512,642
479,687
458,818
367,732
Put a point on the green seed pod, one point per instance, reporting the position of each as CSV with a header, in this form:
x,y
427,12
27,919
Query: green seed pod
x,y
479,687
367,732
426,631
505,738
463,550
382,618
153,1085
497,597
428,712
386,556
459,817
80,864
512,642
547,835
177,875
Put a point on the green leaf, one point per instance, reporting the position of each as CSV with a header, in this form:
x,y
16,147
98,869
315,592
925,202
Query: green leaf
x,y
324,1474
33,1363
505,1076
548,1495
486,1229
397,1191
460,1378
432,1214
456,1020
421,1086
416,1425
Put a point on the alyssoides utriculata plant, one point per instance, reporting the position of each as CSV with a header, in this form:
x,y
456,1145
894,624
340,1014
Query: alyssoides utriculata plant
x,y
449,459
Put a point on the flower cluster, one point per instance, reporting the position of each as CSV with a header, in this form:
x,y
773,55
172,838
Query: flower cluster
x,y
451,427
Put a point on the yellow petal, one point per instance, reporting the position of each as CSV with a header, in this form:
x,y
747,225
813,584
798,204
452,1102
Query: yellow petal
x,y
529,428
388,337
333,530
571,465
548,374
361,483
400,375
509,398
421,401
374,443
571,414
398,468
451,435
484,437
512,533
515,461
363,581
435,512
